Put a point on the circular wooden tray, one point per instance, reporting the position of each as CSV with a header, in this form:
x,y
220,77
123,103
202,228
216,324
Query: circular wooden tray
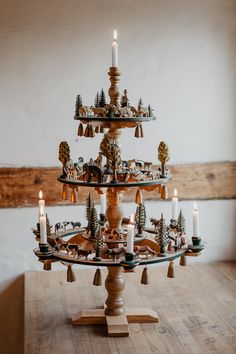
x,y
115,119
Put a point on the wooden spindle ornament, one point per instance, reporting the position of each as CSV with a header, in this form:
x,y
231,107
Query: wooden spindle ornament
x,y
113,91
97,280
64,192
70,274
80,130
144,277
138,197
183,261
171,271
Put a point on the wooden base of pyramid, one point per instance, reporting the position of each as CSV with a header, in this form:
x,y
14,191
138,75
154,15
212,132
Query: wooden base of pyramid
x,y
114,315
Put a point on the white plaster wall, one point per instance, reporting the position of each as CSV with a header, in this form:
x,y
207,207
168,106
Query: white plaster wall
x,y
179,55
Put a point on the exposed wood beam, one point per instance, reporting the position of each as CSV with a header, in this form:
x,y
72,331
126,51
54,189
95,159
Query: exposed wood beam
x,y
20,186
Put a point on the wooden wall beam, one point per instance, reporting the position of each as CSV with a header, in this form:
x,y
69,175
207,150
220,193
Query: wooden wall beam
x,y
19,187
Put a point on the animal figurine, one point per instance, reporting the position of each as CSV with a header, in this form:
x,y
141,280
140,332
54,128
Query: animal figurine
x,y
155,223
65,224
83,253
144,250
82,111
58,227
75,224
99,111
92,170
115,109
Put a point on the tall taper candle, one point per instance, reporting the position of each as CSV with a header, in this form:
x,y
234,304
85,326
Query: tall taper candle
x,y
115,50
195,221
41,204
130,238
43,229
175,205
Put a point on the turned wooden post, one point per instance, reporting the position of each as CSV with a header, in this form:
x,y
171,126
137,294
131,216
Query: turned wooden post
x,y
114,211
115,284
113,91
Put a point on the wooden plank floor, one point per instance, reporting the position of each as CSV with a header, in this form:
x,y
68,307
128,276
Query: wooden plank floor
x,y
197,312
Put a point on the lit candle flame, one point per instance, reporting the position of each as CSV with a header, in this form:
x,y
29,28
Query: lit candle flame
x,y
175,192
115,35
40,195
195,206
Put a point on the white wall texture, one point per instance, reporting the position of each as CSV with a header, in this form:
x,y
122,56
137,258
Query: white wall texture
x,y
179,55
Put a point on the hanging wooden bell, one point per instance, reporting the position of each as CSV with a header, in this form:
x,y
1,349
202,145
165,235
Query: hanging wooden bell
x,y
47,265
64,192
137,132
138,197
101,129
80,130
183,261
164,192
169,248
144,277
91,132
97,280
171,270
70,274
141,131
160,188
73,196
86,132
98,129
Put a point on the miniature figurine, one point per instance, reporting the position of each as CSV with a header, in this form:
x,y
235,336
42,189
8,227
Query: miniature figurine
x,y
124,101
78,104
64,154
102,99
92,170
140,217
163,156
162,237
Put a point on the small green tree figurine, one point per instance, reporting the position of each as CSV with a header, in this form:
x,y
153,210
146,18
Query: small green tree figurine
x,y
78,104
98,244
64,153
181,223
163,155
150,111
88,211
140,104
162,237
102,99
96,100
140,217
93,222
49,227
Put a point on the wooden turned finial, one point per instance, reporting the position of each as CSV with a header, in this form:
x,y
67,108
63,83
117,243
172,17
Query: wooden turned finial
x,y
113,91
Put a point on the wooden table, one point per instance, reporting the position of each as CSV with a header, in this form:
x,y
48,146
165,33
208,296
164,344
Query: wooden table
x,y
197,312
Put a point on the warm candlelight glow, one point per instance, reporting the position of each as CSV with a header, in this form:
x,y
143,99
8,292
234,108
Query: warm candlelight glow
x,y
40,195
115,35
175,192
195,206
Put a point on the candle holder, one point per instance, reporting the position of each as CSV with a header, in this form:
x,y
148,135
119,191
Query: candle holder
x,y
102,219
43,247
196,241
130,261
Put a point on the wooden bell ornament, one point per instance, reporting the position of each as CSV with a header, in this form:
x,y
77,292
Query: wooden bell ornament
x,y
47,265
160,188
144,277
86,132
137,132
91,132
171,270
101,129
164,192
73,195
183,261
141,131
138,197
98,129
97,279
64,192
80,130
70,274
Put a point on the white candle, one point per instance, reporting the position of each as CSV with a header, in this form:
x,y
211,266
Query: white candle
x,y
130,239
41,204
103,199
115,51
131,219
43,229
175,206
195,221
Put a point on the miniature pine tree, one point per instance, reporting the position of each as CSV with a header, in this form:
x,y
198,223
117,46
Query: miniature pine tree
x,y
93,222
98,242
140,104
140,217
105,147
64,152
163,155
150,111
162,237
102,99
78,104
114,158
181,223
96,100
88,211
49,227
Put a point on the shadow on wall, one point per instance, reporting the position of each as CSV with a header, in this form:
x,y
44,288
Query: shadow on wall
x,y
12,318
